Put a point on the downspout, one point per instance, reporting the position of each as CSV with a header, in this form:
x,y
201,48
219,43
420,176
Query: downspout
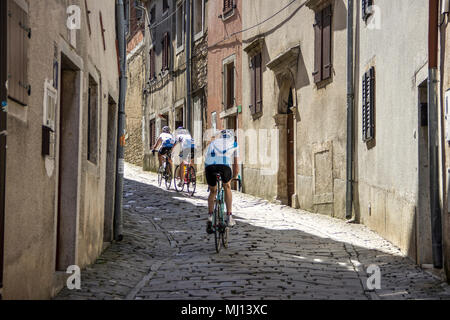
x,y
350,111
433,134
118,208
3,132
188,66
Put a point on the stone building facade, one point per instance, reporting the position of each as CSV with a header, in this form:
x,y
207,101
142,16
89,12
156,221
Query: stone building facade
x,y
62,128
166,93
295,123
136,55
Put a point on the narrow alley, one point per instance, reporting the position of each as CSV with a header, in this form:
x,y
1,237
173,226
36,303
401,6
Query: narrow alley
x,y
275,252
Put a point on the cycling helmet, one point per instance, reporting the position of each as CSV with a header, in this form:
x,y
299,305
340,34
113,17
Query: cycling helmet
x,y
166,129
226,133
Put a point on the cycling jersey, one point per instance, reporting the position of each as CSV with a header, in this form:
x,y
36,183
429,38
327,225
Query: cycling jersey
x,y
167,140
221,151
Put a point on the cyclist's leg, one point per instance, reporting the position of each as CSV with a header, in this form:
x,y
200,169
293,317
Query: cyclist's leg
x,y
228,197
212,183
227,175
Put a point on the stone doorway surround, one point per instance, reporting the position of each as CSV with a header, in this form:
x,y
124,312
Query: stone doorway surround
x,y
285,68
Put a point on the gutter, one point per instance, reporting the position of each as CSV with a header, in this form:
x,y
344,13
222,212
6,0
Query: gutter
x,y
433,134
350,112
121,38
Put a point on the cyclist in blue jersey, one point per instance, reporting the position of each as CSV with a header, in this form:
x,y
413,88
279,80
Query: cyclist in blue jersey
x,y
165,143
221,158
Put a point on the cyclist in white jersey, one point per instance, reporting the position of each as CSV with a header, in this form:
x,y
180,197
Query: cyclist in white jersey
x,y
165,143
183,137
221,158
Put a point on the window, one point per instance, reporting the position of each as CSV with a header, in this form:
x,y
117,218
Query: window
x,y
139,12
92,138
152,64
322,47
368,105
228,85
256,77
152,15
366,8
165,5
152,133
180,26
19,34
228,6
198,18
165,52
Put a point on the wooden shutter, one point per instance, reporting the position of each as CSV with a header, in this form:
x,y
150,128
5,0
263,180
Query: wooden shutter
x,y
326,43
317,74
152,64
258,83
252,85
229,86
368,105
227,5
152,133
19,33
165,51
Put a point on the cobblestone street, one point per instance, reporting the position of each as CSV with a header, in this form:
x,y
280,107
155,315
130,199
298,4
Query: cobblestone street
x,y
275,252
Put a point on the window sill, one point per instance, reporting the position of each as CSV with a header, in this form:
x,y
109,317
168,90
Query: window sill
x,y
198,36
323,83
179,50
227,14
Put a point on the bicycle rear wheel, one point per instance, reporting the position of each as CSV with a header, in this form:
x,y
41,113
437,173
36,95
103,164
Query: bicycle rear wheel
x,y
160,175
176,180
216,226
192,185
168,176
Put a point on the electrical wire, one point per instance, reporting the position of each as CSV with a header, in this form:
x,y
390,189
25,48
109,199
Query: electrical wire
x,y
258,24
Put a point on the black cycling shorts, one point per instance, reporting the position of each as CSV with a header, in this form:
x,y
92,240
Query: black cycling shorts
x,y
211,172
164,150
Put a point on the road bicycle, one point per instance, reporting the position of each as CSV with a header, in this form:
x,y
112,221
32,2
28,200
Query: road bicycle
x,y
190,179
165,172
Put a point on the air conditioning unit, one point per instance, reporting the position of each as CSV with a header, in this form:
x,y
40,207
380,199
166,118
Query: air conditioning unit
x,y
445,7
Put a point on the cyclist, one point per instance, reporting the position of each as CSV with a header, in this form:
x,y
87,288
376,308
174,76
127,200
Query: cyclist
x,y
221,158
165,143
184,138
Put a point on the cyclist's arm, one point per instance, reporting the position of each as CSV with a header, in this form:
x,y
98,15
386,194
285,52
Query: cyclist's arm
x,y
157,144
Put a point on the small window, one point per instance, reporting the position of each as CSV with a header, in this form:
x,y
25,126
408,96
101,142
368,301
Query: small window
x,y
256,79
180,26
152,131
165,51
92,135
152,65
198,18
165,5
368,105
366,8
152,15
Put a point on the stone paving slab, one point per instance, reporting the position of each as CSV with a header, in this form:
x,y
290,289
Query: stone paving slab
x,y
275,252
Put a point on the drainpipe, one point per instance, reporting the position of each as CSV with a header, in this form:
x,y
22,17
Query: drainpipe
x,y
3,127
118,208
188,66
350,111
433,135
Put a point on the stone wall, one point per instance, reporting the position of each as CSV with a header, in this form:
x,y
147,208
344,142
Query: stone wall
x,y
133,106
